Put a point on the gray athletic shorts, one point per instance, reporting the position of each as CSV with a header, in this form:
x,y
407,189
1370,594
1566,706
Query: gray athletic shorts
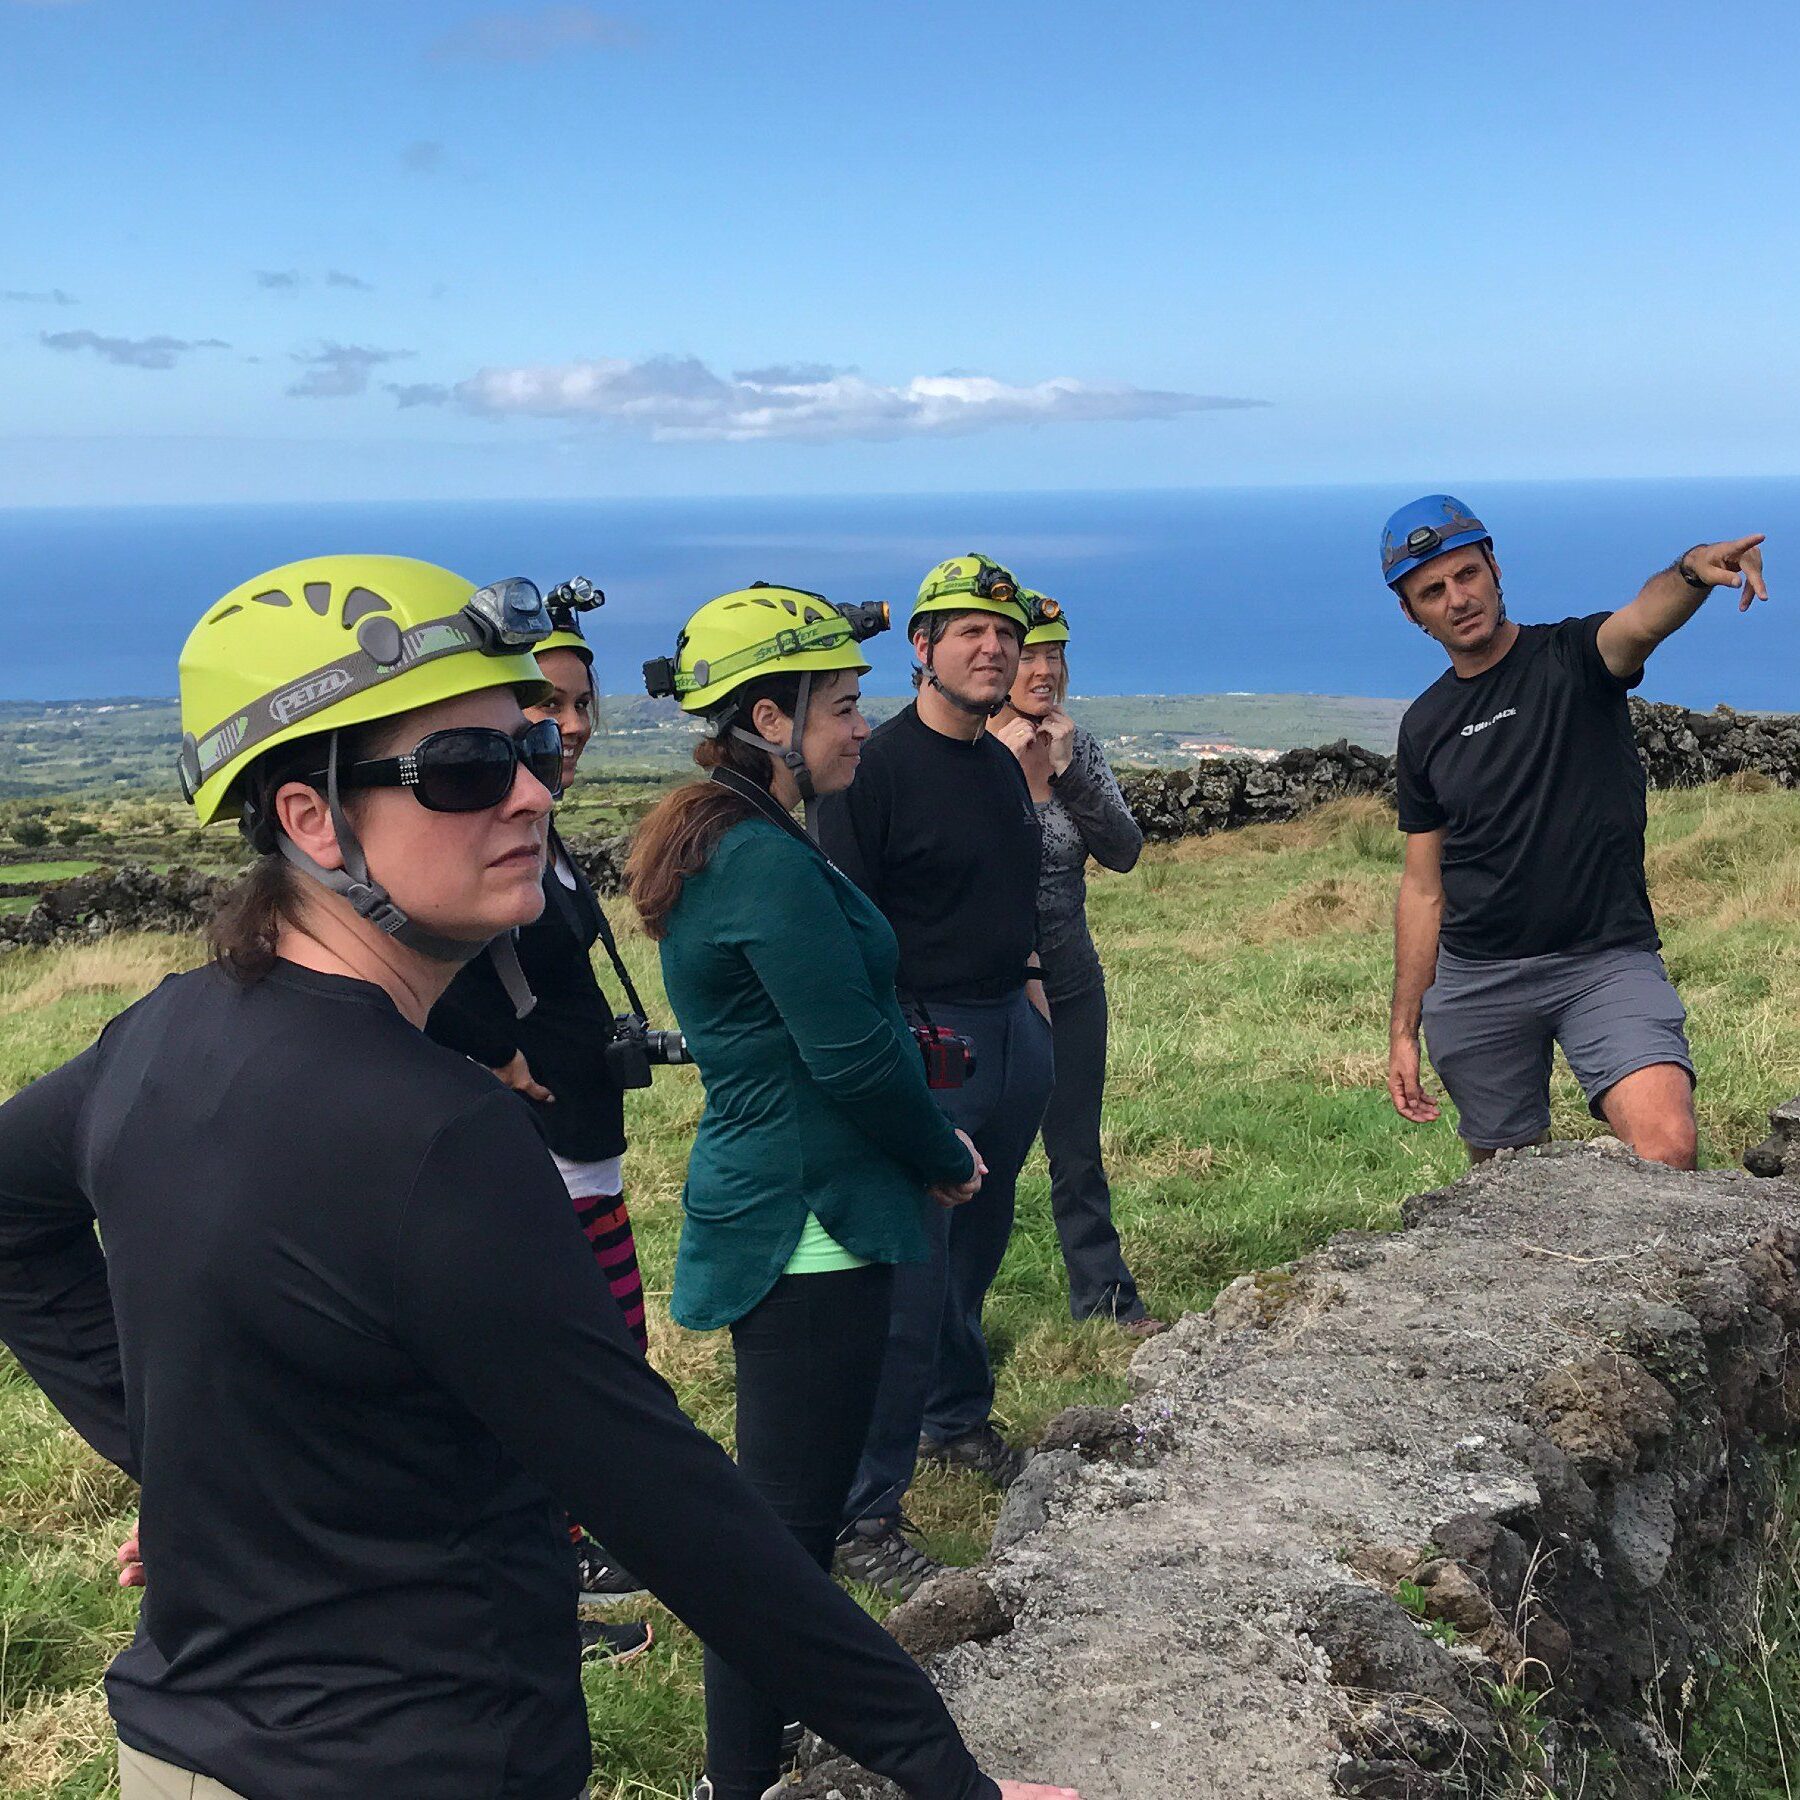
x,y
1491,1028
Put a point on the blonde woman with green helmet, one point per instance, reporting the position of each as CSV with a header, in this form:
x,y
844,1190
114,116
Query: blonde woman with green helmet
x,y
1081,814
819,1154
343,1330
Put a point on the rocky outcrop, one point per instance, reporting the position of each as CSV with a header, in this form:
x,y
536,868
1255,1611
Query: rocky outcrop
x,y
128,898
1779,1152
602,861
1233,791
133,897
1679,748
1443,1513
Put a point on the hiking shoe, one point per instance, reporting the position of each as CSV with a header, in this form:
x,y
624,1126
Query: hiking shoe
x,y
880,1553
1145,1327
616,1644
983,1450
598,1577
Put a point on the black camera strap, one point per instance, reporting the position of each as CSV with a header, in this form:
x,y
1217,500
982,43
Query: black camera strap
x,y
770,808
559,848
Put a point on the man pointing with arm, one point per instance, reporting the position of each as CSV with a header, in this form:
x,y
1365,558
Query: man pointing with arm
x,y
1523,919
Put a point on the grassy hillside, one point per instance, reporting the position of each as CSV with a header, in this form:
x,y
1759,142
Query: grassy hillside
x,y
1246,1121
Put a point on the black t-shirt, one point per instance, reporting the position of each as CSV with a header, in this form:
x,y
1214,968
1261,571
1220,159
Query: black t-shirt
x,y
563,1036
942,836
1531,771
348,1336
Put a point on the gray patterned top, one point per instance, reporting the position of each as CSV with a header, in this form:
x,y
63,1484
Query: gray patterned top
x,y
1084,816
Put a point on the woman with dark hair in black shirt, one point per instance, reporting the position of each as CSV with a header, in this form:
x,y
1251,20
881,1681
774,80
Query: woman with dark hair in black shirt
x,y
342,1331
555,1057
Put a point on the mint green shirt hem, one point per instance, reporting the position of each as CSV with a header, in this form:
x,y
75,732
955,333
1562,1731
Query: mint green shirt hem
x,y
819,1253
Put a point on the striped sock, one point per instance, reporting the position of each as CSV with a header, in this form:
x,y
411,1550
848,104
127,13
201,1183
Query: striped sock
x,y
607,1227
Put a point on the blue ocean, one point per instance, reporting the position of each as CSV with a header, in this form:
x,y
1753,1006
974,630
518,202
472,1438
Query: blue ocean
x,y
1201,591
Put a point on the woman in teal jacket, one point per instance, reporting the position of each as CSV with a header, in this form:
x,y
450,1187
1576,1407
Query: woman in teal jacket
x,y
820,1145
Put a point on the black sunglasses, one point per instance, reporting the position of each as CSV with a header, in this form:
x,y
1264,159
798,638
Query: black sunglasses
x,y
465,769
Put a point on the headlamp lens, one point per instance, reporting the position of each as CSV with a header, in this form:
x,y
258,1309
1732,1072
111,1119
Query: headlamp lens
x,y
511,613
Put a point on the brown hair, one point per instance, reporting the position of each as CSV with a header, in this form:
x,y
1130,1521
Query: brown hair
x,y
245,926
679,834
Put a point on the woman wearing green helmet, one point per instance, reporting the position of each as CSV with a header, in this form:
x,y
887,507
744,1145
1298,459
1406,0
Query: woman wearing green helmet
x,y
1080,813
343,1331
820,1148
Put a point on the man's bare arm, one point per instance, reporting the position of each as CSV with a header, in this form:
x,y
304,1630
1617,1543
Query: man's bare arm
x,y
1418,913
1673,595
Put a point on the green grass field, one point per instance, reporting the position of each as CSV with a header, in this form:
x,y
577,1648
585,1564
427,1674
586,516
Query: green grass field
x,y
1246,1122
45,871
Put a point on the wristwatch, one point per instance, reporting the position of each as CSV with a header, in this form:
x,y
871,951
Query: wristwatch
x,y
1688,575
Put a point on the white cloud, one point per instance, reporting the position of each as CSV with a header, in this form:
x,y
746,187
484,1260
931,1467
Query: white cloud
x,y
39,296
341,278
680,400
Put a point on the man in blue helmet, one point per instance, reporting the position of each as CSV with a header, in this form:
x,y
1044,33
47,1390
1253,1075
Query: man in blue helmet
x,y
1524,920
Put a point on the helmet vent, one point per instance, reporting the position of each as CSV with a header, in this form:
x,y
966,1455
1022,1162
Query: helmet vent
x,y
318,596
224,612
359,603
274,597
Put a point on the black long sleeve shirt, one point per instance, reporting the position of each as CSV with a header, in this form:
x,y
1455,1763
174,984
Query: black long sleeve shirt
x,y
563,1036
347,1336
941,834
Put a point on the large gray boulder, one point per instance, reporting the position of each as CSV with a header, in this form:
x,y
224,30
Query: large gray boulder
x,y
1420,1514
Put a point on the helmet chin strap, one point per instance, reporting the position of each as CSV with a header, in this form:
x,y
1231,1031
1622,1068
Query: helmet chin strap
x,y
369,899
792,758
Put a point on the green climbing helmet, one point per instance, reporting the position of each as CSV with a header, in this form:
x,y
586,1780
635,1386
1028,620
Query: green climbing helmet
x,y
1049,624
969,584
756,631
761,630
341,640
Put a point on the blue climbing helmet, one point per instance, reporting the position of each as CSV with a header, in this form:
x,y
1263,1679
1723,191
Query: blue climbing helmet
x,y
1426,528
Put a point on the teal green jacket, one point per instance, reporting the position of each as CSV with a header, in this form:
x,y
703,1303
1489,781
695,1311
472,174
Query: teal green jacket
x,y
781,972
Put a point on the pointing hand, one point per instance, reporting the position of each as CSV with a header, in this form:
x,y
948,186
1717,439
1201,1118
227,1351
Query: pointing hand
x,y
1737,564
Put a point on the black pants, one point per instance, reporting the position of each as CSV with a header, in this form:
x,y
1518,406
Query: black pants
x,y
808,1364
937,1377
1100,1285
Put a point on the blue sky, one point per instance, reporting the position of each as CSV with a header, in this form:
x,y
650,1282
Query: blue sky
x,y
300,249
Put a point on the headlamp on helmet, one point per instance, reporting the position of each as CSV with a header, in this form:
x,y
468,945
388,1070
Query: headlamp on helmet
x,y
567,598
509,614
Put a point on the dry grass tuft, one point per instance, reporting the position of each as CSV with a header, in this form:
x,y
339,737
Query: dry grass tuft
x,y
1353,1069
1164,1161
1337,903
129,963
44,1743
